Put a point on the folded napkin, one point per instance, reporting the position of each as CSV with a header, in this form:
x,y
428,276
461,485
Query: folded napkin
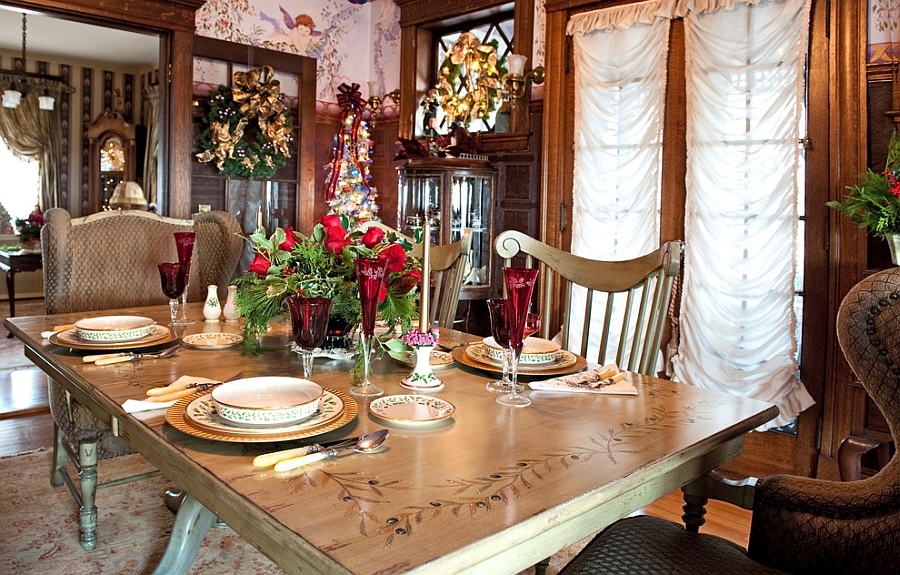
x,y
183,383
607,379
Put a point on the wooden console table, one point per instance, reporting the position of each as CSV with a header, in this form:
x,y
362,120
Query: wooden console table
x,y
13,262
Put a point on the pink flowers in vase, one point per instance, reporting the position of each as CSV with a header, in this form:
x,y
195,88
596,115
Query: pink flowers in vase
x,y
416,338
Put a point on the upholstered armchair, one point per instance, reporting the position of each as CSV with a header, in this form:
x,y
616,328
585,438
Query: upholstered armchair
x,y
109,260
799,525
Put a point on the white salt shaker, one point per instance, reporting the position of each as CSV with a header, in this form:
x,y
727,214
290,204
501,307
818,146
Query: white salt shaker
x,y
212,309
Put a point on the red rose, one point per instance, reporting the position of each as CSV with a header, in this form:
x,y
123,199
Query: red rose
x,y
336,239
289,241
395,256
260,265
373,237
331,221
405,283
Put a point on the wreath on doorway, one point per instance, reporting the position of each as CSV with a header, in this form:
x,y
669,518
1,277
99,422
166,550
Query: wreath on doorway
x,y
247,129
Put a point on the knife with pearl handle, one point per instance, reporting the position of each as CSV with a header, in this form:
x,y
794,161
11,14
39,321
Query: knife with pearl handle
x,y
268,459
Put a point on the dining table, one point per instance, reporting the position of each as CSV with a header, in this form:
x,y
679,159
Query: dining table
x,y
476,487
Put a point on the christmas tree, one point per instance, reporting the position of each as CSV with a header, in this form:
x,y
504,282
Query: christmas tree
x,y
348,191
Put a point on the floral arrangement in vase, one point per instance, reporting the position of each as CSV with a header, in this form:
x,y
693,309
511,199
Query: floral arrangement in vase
x,y
422,377
874,203
288,263
29,229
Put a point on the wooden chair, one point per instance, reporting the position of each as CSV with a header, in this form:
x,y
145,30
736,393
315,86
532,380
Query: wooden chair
x,y
105,261
799,524
634,296
448,270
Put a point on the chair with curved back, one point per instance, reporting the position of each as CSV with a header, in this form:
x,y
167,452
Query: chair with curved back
x,y
799,525
109,260
634,296
448,271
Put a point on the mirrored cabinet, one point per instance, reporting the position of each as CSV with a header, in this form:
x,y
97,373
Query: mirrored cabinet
x,y
454,194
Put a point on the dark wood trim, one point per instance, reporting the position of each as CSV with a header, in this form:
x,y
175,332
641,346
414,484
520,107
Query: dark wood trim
x,y
153,15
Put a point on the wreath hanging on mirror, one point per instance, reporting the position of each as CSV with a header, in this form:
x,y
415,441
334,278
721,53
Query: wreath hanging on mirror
x,y
247,129
469,86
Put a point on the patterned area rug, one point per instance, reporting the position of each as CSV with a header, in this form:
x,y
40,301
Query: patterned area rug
x,y
39,530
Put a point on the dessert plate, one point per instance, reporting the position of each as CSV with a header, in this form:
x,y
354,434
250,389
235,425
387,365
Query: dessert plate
x,y
412,409
212,340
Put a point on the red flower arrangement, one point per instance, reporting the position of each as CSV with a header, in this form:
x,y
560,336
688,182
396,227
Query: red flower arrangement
x,y
287,263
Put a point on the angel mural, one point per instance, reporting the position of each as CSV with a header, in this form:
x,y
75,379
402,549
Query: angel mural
x,y
296,32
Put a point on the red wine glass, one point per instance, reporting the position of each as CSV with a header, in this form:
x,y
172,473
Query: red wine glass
x,y
519,288
532,325
309,324
173,277
500,331
184,245
370,274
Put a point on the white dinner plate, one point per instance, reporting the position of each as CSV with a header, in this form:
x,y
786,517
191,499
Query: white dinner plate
x,y
202,413
158,335
412,409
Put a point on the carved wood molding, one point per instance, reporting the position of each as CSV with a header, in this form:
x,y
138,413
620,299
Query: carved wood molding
x,y
413,12
159,14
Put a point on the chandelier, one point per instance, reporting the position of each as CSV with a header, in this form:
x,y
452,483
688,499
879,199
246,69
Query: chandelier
x,y
23,83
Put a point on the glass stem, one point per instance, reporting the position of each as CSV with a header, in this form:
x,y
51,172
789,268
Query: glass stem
x,y
307,363
505,360
184,302
367,355
173,309
514,373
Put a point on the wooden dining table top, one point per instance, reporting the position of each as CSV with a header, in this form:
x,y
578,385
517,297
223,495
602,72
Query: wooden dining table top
x,y
492,489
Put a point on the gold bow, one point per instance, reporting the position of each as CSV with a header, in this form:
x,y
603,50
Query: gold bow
x,y
259,93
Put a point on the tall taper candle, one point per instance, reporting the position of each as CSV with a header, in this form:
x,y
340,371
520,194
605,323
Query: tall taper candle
x,y
426,277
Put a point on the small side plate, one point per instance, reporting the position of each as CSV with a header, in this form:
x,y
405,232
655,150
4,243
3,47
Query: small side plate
x,y
212,340
412,409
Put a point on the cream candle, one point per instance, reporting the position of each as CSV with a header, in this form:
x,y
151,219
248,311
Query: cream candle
x,y
426,276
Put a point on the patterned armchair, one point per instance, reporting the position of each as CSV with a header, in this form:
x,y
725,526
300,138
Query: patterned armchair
x,y
799,525
106,261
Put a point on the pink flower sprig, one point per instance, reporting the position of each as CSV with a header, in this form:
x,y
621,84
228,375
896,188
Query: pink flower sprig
x,y
416,338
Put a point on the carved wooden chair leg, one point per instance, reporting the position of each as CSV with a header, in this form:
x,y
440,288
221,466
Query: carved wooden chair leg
x,y
191,524
540,568
60,458
87,474
850,454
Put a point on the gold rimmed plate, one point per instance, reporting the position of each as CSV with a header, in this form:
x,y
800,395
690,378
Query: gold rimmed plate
x,y
474,355
212,340
412,409
159,335
195,416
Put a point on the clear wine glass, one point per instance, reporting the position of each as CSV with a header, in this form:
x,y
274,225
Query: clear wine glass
x,y
500,331
184,245
309,324
519,287
173,277
370,277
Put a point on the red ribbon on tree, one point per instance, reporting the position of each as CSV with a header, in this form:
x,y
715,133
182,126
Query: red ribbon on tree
x,y
351,102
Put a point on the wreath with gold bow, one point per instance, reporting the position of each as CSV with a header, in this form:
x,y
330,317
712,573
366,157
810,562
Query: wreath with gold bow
x,y
247,128
469,85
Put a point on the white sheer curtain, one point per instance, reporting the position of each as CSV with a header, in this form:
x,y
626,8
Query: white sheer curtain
x,y
745,84
620,77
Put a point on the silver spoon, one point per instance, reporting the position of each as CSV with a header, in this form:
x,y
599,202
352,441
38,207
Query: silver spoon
x,y
366,443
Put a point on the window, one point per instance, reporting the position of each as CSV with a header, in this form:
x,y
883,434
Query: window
x,y
21,186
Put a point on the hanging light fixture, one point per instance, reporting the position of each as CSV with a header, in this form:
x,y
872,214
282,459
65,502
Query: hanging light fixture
x,y
20,87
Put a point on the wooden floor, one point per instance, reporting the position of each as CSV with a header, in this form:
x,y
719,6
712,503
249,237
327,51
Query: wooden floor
x,y
26,425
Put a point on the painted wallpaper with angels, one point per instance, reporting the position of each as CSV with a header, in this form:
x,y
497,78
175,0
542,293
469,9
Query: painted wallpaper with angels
x,y
352,40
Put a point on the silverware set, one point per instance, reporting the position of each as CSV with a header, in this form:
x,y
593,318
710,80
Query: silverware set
x,y
110,358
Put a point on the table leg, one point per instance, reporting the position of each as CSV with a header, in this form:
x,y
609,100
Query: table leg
x,y
11,290
191,524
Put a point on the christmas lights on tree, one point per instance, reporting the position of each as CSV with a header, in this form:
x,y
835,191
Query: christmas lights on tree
x,y
348,191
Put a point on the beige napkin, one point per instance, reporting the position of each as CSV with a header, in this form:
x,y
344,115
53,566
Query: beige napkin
x,y
183,382
581,383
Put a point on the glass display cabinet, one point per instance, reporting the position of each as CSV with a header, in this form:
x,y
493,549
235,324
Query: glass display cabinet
x,y
453,193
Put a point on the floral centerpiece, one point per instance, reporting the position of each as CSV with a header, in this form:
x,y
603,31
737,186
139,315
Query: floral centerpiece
x,y
29,229
422,377
287,263
874,203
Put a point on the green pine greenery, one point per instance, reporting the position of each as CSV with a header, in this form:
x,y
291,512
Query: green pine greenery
x,y
871,203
